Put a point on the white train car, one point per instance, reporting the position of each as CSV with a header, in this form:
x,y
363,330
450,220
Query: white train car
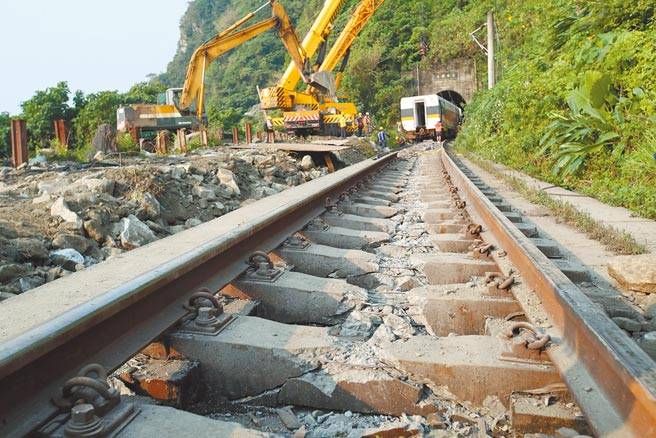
x,y
429,116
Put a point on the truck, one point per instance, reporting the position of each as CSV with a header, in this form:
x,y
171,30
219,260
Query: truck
x,y
144,121
429,117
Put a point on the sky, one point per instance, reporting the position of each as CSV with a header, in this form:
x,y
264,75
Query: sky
x,y
92,44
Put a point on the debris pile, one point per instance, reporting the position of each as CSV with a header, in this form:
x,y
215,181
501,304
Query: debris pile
x,y
57,218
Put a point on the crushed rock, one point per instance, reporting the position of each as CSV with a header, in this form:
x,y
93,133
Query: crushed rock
x,y
68,215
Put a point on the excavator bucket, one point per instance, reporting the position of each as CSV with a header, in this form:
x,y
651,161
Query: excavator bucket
x,y
324,82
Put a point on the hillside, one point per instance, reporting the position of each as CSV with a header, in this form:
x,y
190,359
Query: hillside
x,y
575,101
380,62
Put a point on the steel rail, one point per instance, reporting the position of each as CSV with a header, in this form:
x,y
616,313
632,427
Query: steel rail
x,y
611,378
107,313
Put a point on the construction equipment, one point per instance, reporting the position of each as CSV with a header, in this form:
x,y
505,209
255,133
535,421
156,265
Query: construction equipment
x,y
144,121
316,110
180,104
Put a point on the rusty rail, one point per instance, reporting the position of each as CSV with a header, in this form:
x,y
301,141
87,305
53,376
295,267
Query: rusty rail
x,y
612,379
107,313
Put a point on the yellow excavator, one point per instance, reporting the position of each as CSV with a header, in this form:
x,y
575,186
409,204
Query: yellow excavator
x,y
180,103
176,112
318,110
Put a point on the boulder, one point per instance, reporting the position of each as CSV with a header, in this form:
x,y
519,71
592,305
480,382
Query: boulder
x,y
52,187
135,233
29,249
193,222
204,192
60,208
151,206
627,324
27,283
10,272
636,272
178,172
307,163
78,243
105,139
90,184
95,230
67,258
227,178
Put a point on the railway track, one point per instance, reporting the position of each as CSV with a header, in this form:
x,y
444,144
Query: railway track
x,y
399,286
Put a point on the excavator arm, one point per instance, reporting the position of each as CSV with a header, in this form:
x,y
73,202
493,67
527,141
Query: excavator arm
x,y
194,86
314,39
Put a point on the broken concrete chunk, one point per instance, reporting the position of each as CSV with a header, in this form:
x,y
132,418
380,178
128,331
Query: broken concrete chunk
x,y
135,233
78,243
10,272
67,258
356,390
227,178
150,206
307,163
288,418
406,283
357,325
27,283
636,272
399,326
29,249
382,334
371,280
60,208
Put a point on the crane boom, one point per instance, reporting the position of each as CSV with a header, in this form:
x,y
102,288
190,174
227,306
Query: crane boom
x,y
316,36
315,107
194,86
359,19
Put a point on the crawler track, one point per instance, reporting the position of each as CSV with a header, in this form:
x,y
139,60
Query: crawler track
x,y
390,282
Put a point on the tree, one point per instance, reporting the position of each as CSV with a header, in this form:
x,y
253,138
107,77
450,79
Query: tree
x,y
42,109
97,108
144,92
5,134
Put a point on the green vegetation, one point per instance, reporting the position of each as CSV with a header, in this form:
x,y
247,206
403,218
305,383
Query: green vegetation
x,y
82,117
5,134
575,102
42,109
617,241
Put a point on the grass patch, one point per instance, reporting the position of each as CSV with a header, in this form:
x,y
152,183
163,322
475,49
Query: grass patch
x,y
620,242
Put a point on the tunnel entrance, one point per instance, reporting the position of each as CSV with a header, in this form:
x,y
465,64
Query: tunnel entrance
x,y
453,97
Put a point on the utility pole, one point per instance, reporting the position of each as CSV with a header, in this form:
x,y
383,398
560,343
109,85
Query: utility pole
x,y
418,92
491,71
